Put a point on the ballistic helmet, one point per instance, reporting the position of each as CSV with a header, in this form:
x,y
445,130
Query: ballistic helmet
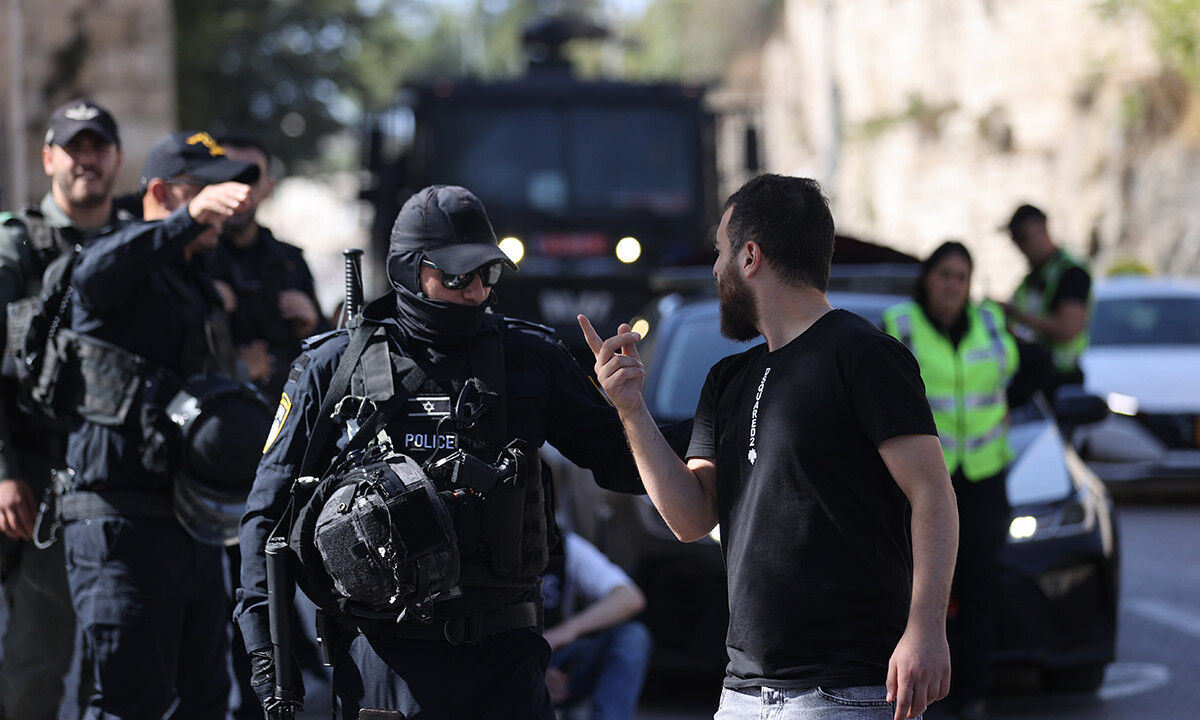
x,y
386,538
223,425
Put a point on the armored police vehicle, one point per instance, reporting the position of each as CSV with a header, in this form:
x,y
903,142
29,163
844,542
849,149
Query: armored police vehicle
x,y
590,184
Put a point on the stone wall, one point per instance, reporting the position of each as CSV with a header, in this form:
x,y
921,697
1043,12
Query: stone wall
x,y
932,119
118,52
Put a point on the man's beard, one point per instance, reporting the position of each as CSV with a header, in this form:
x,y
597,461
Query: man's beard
x,y
239,221
739,313
89,198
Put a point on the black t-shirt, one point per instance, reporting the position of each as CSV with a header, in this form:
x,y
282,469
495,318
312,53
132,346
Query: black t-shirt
x,y
813,526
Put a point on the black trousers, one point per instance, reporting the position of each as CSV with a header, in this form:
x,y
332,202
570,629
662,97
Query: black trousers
x,y
503,677
984,517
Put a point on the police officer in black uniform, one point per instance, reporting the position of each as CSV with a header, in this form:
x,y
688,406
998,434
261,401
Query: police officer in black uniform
x,y
149,597
82,156
479,393
267,284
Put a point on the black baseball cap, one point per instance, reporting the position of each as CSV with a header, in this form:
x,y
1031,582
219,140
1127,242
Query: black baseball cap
x,y
195,156
448,224
1020,215
78,115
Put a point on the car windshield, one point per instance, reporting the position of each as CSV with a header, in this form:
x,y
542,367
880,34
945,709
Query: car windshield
x,y
696,344
1147,321
555,160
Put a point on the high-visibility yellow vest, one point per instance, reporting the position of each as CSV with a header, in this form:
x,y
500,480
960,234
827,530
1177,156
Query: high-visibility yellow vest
x,y
965,385
1029,299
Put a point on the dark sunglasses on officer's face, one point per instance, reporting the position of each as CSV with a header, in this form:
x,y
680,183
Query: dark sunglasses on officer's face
x,y
489,275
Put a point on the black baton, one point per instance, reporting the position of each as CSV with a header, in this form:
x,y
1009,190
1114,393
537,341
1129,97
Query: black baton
x,y
280,592
352,313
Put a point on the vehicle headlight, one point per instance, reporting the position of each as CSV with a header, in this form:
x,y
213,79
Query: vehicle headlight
x,y
628,249
1074,516
1122,404
513,248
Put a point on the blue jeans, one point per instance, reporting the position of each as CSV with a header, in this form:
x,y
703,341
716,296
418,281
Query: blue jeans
x,y
853,703
608,668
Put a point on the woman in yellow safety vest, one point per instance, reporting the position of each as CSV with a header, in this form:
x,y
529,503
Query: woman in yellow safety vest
x,y
967,359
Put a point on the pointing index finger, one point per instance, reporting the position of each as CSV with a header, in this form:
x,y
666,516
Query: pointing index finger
x,y
590,335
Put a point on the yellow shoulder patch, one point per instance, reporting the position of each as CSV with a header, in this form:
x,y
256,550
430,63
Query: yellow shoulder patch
x,y
281,414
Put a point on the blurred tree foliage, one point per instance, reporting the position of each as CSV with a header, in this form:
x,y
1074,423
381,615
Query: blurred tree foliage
x,y
1176,27
295,72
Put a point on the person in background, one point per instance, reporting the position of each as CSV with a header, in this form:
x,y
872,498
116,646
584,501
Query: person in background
x,y
267,289
817,455
599,652
81,156
149,596
967,359
265,283
1052,305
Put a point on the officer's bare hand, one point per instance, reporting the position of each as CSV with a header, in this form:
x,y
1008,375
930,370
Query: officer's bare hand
x,y
228,297
17,509
618,365
215,203
298,308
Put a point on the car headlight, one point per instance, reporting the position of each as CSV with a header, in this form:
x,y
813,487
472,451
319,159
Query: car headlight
x,y
1122,404
1074,516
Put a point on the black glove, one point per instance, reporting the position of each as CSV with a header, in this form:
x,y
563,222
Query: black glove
x,y
262,681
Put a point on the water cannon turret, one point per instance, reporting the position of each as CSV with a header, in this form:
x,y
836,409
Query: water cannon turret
x,y
545,39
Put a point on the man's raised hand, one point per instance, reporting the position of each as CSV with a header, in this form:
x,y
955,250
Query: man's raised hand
x,y
618,365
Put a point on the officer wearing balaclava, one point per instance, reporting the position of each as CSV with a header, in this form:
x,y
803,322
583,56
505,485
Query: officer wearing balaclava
x,y
475,384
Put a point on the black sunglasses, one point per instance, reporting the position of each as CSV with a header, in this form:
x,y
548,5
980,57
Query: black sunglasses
x,y
489,275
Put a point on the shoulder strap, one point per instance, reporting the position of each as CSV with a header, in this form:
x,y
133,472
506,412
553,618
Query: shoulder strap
x,y
41,235
359,337
36,234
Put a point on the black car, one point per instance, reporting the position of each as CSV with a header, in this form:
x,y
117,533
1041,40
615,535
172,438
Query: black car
x,y
1058,609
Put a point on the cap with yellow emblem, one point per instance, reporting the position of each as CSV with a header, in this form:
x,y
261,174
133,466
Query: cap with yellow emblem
x,y
193,157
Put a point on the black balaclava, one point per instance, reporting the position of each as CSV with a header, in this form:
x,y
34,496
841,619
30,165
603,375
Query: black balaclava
x,y
448,225
436,323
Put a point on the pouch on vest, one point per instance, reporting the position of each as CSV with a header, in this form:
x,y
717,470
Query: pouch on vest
x,y
19,312
112,377
386,538
513,519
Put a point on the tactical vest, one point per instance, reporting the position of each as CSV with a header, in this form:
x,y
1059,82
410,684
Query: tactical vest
x,y
502,525
1027,298
45,244
965,385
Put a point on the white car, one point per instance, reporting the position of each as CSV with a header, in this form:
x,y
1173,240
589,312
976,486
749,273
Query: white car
x,y
1144,360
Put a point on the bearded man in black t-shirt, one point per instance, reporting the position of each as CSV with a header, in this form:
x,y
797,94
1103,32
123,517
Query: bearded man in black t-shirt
x,y
810,451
